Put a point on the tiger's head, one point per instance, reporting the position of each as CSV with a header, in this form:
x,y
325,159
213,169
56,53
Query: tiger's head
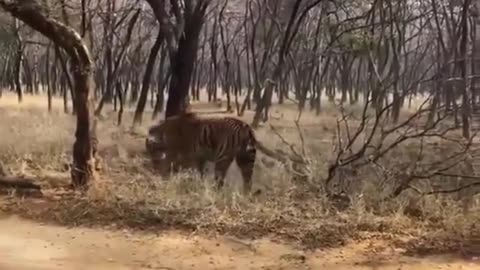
x,y
156,145
160,134
165,142
160,145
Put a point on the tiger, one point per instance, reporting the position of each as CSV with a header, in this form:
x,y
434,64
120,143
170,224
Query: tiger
x,y
186,140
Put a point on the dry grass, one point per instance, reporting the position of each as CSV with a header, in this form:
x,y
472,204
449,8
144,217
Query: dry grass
x,y
37,143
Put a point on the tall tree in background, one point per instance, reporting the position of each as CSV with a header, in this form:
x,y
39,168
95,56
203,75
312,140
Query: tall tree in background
x,y
35,15
182,42
184,57
158,8
463,69
299,12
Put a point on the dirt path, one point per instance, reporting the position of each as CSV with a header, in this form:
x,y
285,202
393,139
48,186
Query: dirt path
x,y
25,245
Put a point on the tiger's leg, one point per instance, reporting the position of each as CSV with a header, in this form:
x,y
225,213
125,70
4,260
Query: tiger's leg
x,y
246,162
163,163
200,162
98,163
221,168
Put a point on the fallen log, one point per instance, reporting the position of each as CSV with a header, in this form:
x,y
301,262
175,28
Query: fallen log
x,y
20,185
18,182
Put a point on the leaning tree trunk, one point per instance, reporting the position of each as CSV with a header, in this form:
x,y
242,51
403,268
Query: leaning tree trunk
x,y
142,101
32,13
296,17
162,82
183,60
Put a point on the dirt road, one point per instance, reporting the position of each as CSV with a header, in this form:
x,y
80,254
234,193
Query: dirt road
x,y
25,245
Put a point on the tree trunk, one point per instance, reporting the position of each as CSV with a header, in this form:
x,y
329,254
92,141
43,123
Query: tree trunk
x,y
183,60
142,101
47,79
162,83
66,76
18,70
463,71
120,102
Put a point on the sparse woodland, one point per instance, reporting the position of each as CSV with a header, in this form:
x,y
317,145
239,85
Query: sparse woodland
x,y
371,108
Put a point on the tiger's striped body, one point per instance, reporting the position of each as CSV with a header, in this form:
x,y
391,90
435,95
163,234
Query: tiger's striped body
x,y
189,141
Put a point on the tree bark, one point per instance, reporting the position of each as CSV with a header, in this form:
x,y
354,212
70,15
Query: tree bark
x,y
183,60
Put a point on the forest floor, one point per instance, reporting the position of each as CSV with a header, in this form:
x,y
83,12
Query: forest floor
x,y
25,245
131,219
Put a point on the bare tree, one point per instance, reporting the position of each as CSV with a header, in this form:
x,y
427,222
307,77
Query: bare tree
x,y
298,14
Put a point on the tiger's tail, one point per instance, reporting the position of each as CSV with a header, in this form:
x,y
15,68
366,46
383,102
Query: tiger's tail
x,y
268,152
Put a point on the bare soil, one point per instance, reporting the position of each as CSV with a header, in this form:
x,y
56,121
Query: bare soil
x,y
25,245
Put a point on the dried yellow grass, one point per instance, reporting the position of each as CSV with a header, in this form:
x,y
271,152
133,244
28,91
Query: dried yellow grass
x,y
38,143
